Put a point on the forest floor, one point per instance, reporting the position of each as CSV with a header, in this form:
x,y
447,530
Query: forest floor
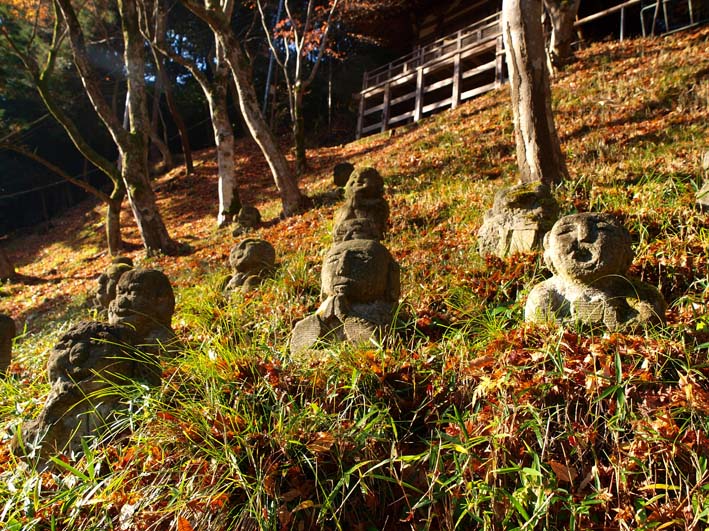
x,y
469,418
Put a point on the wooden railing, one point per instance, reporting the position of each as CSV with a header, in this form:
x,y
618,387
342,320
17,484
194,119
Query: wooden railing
x,y
441,74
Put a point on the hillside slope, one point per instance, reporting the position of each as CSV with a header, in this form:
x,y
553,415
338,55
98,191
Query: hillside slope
x,y
469,418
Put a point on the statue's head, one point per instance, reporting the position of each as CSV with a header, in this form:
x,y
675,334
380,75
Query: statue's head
x,y
356,229
90,350
252,256
107,282
363,271
587,247
144,300
249,216
365,183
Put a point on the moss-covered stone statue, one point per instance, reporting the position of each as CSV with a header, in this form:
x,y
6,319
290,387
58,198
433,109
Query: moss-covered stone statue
x,y
251,261
589,255
518,220
364,199
89,369
106,289
360,289
145,303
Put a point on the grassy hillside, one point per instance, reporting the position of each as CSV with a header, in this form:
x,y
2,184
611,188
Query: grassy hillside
x,y
468,418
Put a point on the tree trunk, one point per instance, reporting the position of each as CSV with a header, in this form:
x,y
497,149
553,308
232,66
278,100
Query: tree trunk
x,y
134,151
167,162
229,201
165,83
562,14
113,222
538,149
286,183
7,270
301,163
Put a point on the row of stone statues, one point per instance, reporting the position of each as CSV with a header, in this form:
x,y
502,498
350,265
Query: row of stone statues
x,y
588,254
94,361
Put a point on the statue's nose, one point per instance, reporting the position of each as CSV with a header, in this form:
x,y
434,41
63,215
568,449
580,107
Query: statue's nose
x,y
585,233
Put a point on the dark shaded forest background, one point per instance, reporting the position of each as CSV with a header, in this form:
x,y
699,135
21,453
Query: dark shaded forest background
x,y
31,195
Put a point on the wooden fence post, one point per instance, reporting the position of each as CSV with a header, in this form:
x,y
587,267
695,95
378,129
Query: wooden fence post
x,y
499,62
385,110
419,94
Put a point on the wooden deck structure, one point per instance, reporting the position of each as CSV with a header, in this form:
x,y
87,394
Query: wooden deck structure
x,y
439,75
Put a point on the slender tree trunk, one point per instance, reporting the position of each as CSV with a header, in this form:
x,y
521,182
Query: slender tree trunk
x,y
172,107
538,149
286,183
562,14
113,221
134,152
167,161
301,162
229,201
7,270
132,145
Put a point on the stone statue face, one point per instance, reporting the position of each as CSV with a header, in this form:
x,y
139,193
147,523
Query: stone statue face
x,y
587,247
144,300
365,183
359,270
252,256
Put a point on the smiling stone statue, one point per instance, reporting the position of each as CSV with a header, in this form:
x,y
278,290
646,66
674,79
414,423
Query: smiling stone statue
x,y
589,255
360,287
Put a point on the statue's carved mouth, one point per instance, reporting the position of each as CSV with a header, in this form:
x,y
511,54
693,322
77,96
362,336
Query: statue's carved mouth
x,y
584,256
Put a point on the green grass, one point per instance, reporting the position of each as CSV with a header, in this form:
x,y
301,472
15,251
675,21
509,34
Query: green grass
x,y
467,418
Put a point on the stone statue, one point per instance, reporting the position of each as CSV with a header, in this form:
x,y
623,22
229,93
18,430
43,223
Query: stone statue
x,y
360,288
518,220
251,261
7,334
144,302
364,199
356,229
248,219
86,369
106,290
589,255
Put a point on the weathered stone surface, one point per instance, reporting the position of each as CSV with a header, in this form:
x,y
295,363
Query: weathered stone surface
x,y
356,229
589,255
248,219
144,302
518,220
87,369
107,281
251,261
7,334
249,216
360,289
364,199
7,270
342,173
